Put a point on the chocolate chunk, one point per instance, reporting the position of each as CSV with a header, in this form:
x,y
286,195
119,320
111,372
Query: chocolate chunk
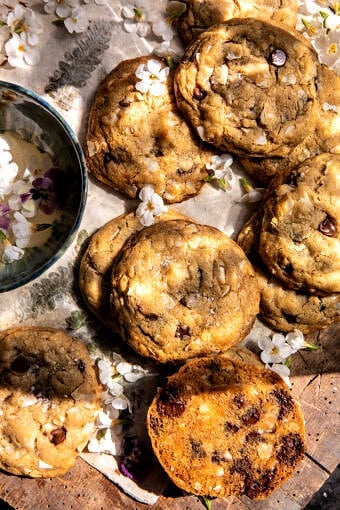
x,y
123,103
199,93
182,331
285,402
231,427
20,365
239,400
58,436
81,365
251,416
197,450
253,437
118,155
328,227
291,449
278,58
254,488
170,404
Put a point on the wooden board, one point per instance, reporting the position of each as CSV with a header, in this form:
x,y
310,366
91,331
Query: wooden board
x,y
316,384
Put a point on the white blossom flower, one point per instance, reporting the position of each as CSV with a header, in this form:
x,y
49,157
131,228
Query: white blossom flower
x,y
8,169
327,46
282,370
152,77
136,19
22,230
253,195
77,21
275,349
131,373
296,340
11,253
106,442
61,8
220,170
152,205
23,19
28,208
165,51
20,52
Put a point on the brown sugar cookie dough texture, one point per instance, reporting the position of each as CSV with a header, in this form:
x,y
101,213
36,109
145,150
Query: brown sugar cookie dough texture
x,y
136,138
300,235
199,15
98,258
282,308
180,289
324,138
248,86
258,434
49,401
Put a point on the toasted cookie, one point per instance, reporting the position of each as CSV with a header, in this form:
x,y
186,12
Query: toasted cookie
x,y
97,260
300,234
324,138
281,308
136,138
258,428
248,86
49,400
202,14
180,289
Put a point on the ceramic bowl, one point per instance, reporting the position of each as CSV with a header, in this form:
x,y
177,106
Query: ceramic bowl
x,y
23,113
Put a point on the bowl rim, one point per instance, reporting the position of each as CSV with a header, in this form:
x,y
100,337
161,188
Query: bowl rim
x,y
83,191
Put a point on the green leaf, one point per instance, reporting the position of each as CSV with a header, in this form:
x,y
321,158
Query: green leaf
x,y
246,184
138,13
100,434
3,236
206,501
2,23
76,320
310,347
288,362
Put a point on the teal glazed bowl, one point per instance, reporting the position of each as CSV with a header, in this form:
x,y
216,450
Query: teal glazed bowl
x,y
58,195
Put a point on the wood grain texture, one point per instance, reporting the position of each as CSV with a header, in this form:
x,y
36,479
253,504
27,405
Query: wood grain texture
x,y
316,384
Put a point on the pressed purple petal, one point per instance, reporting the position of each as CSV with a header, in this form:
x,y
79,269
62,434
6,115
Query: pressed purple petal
x,y
44,183
4,220
25,196
50,204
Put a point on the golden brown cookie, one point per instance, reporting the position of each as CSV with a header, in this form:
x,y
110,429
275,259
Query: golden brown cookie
x,y
300,234
180,289
258,434
97,261
202,14
248,86
285,309
49,401
136,138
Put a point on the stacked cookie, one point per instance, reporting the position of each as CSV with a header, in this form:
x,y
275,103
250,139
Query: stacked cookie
x,y
293,242
49,397
174,290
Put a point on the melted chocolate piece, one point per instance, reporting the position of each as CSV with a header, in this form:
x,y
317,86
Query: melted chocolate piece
x,y
81,365
231,427
278,58
291,449
170,404
251,416
182,331
199,93
285,402
58,436
20,365
239,400
197,450
328,227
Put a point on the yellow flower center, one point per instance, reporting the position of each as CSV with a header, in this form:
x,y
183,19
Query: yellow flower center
x,y
332,49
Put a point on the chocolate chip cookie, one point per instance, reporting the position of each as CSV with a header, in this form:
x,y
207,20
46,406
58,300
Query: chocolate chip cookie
x,y
300,235
49,400
202,14
181,289
258,428
285,309
97,261
136,138
249,87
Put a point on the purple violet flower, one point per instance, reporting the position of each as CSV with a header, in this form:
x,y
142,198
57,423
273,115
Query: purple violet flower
x,y
134,460
4,219
49,190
